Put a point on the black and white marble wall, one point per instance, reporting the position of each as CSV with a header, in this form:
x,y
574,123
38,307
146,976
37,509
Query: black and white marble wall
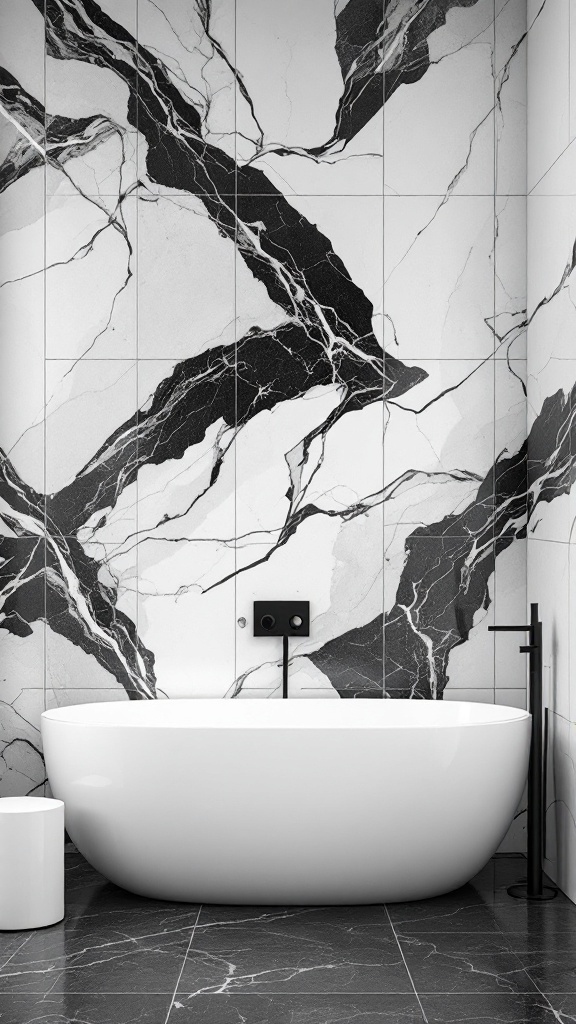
x,y
552,400
263,314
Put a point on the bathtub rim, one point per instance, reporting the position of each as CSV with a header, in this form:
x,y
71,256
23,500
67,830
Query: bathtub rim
x,y
263,713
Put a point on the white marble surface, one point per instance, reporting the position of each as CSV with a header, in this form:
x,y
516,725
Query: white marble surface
x,y
198,290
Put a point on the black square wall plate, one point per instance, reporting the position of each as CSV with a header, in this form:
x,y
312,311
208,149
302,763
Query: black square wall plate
x,y
281,618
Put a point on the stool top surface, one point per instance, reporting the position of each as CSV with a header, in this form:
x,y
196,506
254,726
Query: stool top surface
x,y
28,804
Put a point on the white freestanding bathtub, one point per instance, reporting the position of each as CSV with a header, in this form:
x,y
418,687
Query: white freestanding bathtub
x,y
284,802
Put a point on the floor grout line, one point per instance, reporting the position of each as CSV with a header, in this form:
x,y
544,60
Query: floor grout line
x,y
390,922
288,993
173,997
17,950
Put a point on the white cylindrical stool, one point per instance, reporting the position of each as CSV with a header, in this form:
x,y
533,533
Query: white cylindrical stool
x,y
31,862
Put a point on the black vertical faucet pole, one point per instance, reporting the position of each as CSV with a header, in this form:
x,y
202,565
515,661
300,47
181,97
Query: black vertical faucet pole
x,y
535,811
534,888
285,667
285,619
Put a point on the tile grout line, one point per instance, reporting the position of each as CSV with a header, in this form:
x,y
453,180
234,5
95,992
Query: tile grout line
x,y
547,171
181,358
188,948
44,383
424,1017
494,272
137,328
296,195
283,993
235,633
383,368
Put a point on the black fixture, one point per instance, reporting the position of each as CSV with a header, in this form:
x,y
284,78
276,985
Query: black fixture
x,y
282,618
533,888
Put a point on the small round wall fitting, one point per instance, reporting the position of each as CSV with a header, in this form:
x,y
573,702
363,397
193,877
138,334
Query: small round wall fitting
x,y
520,892
296,621
267,622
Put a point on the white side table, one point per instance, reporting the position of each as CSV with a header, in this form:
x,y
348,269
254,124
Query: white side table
x,y
31,862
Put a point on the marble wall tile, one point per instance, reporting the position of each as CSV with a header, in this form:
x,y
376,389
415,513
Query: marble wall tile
x,y
309,519
91,130
552,360
510,602
87,240
510,283
188,54
560,178
510,58
549,585
449,148
561,804
513,698
572,28
22,771
21,704
91,621
87,401
477,695
309,117
440,601
186,273
22,319
68,696
22,237
439,276
22,46
186,534
22,665
548,85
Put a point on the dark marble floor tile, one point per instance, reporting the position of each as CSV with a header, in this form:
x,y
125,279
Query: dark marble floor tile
x,y
550,941
564,1006
84,1009
242,1008
463,910
88,893
501,1008
552,971
447,962
118,951
10,943
500,872
558,915
294,949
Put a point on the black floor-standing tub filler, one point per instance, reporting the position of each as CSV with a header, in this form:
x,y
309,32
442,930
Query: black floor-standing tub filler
x,y
534,887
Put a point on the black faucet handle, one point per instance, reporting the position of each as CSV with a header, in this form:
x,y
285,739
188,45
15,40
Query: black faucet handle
x,y
508,629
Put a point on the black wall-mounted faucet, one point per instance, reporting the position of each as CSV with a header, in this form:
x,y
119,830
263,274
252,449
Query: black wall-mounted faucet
x,y
282,618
